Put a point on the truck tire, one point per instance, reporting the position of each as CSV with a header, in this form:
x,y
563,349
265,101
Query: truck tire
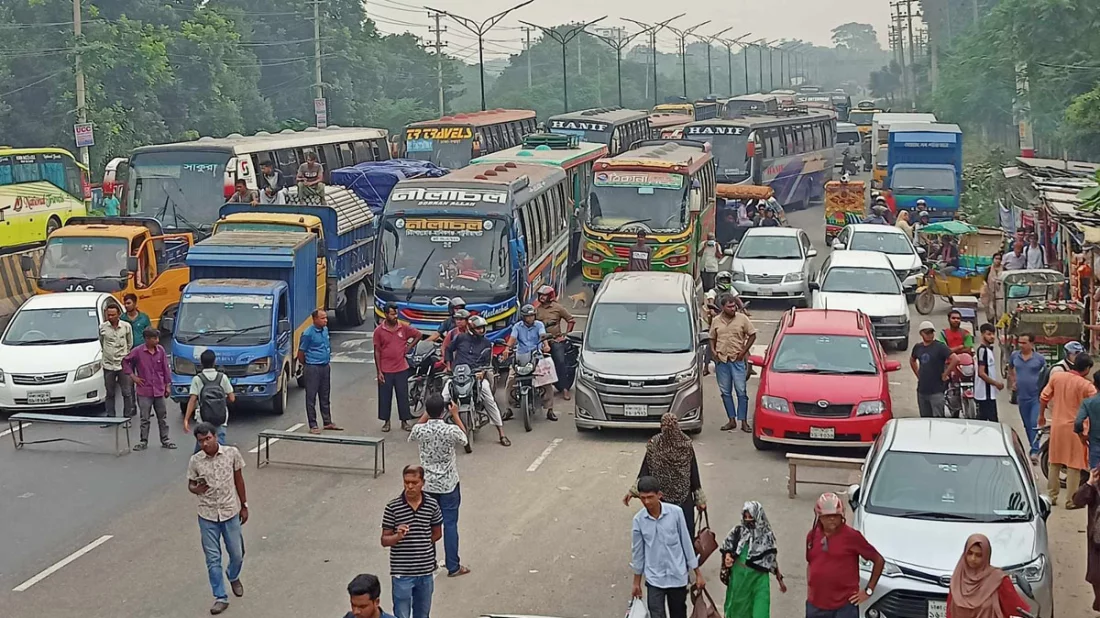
x,y
279,403
358,303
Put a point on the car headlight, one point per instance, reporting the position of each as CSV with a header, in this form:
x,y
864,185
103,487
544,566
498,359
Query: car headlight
x,y
793,277
686,376
259,367
889,569
87,370
587,374
3,378
870,407
775,404
184,366
894,319
1034,570
740,276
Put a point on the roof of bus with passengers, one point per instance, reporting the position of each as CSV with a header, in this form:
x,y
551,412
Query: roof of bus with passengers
x,y
543,154
603,114
477,119
765,120
678,152
263,141
99,230
490,175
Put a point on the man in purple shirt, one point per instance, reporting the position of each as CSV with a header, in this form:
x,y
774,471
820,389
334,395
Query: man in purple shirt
x,y
148,366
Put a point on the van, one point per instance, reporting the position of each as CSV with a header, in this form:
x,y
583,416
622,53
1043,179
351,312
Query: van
x,y
641,353
847,136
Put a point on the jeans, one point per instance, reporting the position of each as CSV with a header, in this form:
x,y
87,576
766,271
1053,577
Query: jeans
x,y
655,599
448,504
213,535
220,433
848,611
557,353
412,595
732,378
930,405
113,381
317,391
157,405
394,384
1029,414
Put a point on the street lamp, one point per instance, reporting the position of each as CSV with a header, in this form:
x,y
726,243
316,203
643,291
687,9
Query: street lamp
x,y
619,43
653,30
684,34
729,43
563,39
710,43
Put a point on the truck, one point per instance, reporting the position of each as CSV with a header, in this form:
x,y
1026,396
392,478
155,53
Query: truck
x,y
250,298
880,132
925,162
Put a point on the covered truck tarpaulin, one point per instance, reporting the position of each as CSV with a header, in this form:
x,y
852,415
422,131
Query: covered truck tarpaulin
x,y
374,180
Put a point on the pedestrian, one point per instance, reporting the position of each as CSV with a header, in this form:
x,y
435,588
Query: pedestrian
x,y
978,589
1064,394
1024,367
559,322
957,338
1071,349
211,393
411,525
989,382
147,366
1090,411
215,475
366,597
137,319
711,256
732,335
311,180
1089,495
903,224
315,353
640,254
932,362
116,339
749,557
991,289
1015,259
110,205
392,341
833,552
670,458
662,553
438,440
1034,253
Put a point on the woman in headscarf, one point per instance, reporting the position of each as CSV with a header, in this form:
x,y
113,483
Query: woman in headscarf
x,y
991,290
1089,495
670,458
903,223
749,558
979,590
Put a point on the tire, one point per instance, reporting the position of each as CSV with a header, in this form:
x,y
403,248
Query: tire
x,y
1044,459
279,403
469,423
416,397
525,409
357,304
759,444
52,226
925,302
903,345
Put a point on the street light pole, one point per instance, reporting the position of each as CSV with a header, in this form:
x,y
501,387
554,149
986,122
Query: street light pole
x,y
684,34
709,40
619,43
653,30
563,39
480,29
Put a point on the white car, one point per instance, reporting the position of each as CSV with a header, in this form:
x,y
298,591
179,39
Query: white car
x,y
50,357
865,281
904,256
774,262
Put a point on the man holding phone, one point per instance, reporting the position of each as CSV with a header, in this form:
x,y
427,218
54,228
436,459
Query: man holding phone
x,y
411,525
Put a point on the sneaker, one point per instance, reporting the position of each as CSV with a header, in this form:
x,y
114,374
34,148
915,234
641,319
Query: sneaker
x,y
218,607
237,587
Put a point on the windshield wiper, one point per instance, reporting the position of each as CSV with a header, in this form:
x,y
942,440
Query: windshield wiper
x,y
630,223
54,341
416,282
844,372
237,331
769,257
1014,517
934,515
635,350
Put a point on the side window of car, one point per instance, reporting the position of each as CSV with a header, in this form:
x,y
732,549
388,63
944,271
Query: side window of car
x,y
806,246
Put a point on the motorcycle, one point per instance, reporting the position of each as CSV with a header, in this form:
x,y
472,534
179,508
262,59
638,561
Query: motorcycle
x,y
426,374
960,392
524,393
465,392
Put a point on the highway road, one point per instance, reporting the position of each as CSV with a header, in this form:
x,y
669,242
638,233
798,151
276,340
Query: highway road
x,y
543,529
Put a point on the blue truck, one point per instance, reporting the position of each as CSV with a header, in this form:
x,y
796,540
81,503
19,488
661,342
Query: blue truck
x,y
249,300
925,162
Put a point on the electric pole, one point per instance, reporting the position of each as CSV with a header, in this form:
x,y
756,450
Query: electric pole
x,y
527,49
563,38
439,45
901,48
619,43
683,35
81,110
709,40
318,91
653,30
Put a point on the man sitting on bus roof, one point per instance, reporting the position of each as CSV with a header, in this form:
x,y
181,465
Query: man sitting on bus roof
x,y
243,194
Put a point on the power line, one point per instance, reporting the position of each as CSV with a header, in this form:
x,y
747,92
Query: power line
x,y
34,83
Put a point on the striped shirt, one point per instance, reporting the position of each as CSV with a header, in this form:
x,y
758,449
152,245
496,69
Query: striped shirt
x,y
414,554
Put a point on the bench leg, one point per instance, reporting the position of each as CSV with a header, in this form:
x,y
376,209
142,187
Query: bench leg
x,y
12,430
129,446
258,449
792,479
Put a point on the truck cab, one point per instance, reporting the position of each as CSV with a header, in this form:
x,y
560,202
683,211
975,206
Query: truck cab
x,y
925,162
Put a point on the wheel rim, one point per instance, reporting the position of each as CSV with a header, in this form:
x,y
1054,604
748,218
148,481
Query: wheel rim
x,y
361,300
925,302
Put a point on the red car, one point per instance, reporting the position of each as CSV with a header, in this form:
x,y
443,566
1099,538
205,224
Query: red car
x,y
823,382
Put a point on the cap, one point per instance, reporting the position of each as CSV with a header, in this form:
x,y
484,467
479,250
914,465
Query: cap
x,y
1074,347
926,325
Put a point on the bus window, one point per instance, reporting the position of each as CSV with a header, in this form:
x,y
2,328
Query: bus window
x,y
346,154
362,151
287,162
5,171
26,169
329,157
377,147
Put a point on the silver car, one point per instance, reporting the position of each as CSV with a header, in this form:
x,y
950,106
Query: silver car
x,y
774,262
929,483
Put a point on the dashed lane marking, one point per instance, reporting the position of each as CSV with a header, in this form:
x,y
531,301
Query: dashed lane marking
x,y
545,453
9,431
62,563
294,427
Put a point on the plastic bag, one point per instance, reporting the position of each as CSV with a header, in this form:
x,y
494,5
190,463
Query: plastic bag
x,y
637,609
545,372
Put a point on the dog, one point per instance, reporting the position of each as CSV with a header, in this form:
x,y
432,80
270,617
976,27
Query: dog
x,y
580,299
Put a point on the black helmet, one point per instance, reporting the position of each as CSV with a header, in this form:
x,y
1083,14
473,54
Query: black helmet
x,y
527,310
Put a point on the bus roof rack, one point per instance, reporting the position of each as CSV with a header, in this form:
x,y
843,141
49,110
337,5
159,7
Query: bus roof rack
x,y
600,110
555,141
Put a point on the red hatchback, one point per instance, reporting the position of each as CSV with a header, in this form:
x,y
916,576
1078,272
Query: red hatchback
x,y
823,382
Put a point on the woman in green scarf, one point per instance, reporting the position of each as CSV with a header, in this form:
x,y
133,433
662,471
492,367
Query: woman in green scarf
x,y
749,557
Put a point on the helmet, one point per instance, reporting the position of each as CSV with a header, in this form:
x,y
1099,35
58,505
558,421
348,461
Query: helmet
x,y
527,310
879,208
456,302
723,280
828,504
547,290
921,202
478,322
461,314
1074,347
880,200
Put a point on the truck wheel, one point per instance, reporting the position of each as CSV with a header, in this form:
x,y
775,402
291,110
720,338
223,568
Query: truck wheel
x,y
278,404
359,305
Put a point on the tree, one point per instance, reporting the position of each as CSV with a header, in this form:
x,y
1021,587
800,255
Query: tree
x,y
886,81
856,37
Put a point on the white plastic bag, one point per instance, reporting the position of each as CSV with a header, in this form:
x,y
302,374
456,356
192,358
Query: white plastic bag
x,y
545,372
637,609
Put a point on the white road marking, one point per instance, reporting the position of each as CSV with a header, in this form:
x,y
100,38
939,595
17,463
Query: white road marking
x,y
545,453
8,431
294,427
895,384
353,361
362,333
62,563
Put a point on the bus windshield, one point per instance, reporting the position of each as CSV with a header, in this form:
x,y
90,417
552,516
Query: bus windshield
x,y
182,189
442,254
861,118
451,155
83,258
652,200
230,319
731,159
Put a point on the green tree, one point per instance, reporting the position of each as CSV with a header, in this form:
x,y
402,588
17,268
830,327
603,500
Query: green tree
x,y
856,37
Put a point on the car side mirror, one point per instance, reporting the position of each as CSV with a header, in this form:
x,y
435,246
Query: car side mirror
x,y
893,365
838,246
755,359
730,251
132,264
695,201
168,325
27,264
1024,585
811,253
921,251
814,286
704,337
1045,506
284,326
853,496
576,336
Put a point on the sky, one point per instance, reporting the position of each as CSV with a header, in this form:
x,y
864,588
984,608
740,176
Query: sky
x,y
809,20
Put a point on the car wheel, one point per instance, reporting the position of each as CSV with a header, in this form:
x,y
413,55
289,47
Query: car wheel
x,y
279,403
759,444
903,345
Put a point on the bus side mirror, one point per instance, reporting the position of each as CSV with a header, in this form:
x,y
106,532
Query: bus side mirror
x,y
695,201
132,264
168,325
27,264
284,326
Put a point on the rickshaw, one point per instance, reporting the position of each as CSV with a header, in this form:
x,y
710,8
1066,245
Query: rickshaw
x,y
1031,301
737,206
976,249
844,205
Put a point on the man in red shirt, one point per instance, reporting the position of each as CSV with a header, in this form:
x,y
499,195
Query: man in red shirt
x,y
833,550
460,317
392,340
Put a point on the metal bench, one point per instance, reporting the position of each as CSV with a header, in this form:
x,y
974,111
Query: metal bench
x,y
816,461
119,423
263,444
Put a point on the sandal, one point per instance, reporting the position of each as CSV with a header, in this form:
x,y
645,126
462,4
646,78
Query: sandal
x,y
462,570
168,445
504,441
141,446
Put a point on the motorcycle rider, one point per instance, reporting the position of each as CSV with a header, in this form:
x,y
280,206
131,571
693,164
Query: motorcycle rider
x,y
453,305
527,335
472,348
878,212
460,317
553,314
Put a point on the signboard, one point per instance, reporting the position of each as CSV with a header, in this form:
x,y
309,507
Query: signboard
x,y
444,230
322,120
320,107
449,197
639,179
580,125
714,130
85,137
443,134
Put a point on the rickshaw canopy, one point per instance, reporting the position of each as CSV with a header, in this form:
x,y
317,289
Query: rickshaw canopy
x,y
744,192
951,228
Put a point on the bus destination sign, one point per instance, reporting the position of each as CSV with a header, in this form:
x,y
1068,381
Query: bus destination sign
x,y
440,134
449,197
579,125
639,179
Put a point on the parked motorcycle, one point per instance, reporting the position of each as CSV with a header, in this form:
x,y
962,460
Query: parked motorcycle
x,y
425,373
960,391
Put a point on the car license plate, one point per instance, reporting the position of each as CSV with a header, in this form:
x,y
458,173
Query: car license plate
x,y
35,397
937,609
764,291
636,410
822,433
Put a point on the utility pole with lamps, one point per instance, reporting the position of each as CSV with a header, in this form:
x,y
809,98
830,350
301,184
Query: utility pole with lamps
x,y
683,35
563,38
728,44
81,108
618,43
653,30
710,40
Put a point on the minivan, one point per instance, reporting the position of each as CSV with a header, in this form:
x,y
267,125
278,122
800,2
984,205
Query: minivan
x,y
847,136
641,353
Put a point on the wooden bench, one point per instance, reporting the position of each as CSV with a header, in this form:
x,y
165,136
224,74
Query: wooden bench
x,y
263,444
816,461
16,422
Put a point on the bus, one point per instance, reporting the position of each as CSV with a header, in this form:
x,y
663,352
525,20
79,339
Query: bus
x,y
842,103
615,127
40,188
490,233
863,116
664,189
666,126
453,141
791,152
571,155
749,104
183,185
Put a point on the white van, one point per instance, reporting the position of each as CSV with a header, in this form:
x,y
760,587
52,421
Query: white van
x,y
847,136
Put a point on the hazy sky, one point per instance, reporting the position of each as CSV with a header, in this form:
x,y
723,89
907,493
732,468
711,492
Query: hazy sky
x,y
809,20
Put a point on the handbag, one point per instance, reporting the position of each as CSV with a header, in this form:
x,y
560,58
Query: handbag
x,y
545,372
705,542
702,605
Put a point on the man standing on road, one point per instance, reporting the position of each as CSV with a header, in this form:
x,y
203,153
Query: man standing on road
x,y
211,392
833,551
662,553
1034,253
392,341
438,440
639,254
138,321
1025,365
147,366
558,321
957,338
315,352
711,254
411,525
116,339
214,474
1065,393
1015,259
110,205
989,381
1090,411
732,335
366,597
931,362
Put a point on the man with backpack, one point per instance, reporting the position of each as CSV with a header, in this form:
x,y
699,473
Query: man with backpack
x,y
211,393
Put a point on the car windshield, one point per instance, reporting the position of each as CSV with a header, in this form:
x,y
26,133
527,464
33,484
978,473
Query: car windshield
x,y
855,280
230,319
948,486
922,181
861,119
639,328
83,258
847,137
635,204
884,242
182,189
763,247
824,354
443,254
51,326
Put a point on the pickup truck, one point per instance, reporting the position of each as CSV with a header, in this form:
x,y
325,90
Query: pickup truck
x,y
925,162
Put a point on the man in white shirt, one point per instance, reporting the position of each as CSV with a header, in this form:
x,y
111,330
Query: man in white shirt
x,y
211,374
1034,254
1015,259
989,381
711,253
116,338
